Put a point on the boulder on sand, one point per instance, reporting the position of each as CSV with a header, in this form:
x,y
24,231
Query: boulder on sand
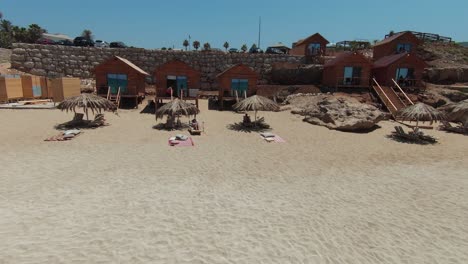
x,y
339,113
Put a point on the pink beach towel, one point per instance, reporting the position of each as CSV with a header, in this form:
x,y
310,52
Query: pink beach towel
x,y
181,143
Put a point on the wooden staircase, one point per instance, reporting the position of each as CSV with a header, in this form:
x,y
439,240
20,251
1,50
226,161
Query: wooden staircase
x,y
391,99
115,98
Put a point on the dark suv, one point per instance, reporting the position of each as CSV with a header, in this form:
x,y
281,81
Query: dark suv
x,y
117,44
83,42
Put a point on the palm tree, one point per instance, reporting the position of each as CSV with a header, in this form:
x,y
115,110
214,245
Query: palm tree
x,y
244,48
87,34
186,44
226,45
6,26
35,32
206,46
196,44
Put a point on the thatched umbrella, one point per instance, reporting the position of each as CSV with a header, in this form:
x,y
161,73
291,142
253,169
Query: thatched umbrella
x,y
256,103
175,108
87,101
456,112
421,112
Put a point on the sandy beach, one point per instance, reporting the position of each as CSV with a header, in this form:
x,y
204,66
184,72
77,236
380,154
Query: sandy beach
x,y
120,194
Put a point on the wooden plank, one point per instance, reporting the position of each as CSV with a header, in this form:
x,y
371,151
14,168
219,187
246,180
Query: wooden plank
x,y
10,88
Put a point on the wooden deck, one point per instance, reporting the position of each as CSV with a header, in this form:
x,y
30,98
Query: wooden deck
x,y
159,100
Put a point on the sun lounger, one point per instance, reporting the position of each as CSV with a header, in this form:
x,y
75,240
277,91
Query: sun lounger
x,y
415,137
269,137
194,132
458,129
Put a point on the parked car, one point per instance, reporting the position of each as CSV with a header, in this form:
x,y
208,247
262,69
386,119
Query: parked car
x,y
271,50
233,50
101,44
64,42
117,44
45,41
255,50
83,42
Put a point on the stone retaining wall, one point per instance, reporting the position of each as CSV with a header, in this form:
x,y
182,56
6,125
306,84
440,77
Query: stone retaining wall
x,y
447,75
57,61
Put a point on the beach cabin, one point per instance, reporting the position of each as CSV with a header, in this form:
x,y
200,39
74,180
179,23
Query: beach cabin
x,y
10,87
405,68
348,69
181,77
34,87
315,45
118,72
63,88
403,42
238,81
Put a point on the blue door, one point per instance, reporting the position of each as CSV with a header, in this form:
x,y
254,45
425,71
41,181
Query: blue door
x,y
114,81
182,85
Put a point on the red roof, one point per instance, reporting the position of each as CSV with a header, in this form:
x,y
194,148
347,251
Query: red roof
x,y
387,60
394,37
235,66
316,35
129,63
344,56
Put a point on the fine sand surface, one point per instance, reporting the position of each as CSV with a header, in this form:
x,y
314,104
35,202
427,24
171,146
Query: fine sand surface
x,y
120,194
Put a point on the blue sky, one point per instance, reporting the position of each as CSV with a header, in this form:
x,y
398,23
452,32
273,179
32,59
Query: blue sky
x,y
156,24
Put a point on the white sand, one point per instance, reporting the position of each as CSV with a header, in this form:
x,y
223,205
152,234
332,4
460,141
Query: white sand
x,y
119,194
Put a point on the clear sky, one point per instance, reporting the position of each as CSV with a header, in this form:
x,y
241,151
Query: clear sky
x,y
156,23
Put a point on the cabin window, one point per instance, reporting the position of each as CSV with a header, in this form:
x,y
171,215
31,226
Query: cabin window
x,y
240,86
403,47
405,76
116,81
352,75
314,49
178,83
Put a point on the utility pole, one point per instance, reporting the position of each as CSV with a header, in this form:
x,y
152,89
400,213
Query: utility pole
x,y
189,42
259,31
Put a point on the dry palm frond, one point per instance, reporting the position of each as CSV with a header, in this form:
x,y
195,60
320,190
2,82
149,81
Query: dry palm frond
x,y
177,107
87,101
456,112
256,103
421,112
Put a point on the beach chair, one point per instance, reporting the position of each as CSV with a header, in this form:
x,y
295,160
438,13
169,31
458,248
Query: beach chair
x,y
446,126
414,136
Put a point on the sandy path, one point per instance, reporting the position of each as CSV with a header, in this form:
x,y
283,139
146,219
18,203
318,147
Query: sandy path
x,y
119,194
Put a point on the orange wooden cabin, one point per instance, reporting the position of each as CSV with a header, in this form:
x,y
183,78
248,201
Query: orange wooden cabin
x,y
349,69
120,73
405,68
404,42
178,75
315,45
237,81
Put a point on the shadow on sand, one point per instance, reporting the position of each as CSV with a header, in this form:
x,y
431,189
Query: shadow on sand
x,y
164,127
253,127
407,141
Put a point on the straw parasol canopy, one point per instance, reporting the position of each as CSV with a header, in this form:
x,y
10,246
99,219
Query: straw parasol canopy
x,y
421,112
87,101
457,112
175,108
256,103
